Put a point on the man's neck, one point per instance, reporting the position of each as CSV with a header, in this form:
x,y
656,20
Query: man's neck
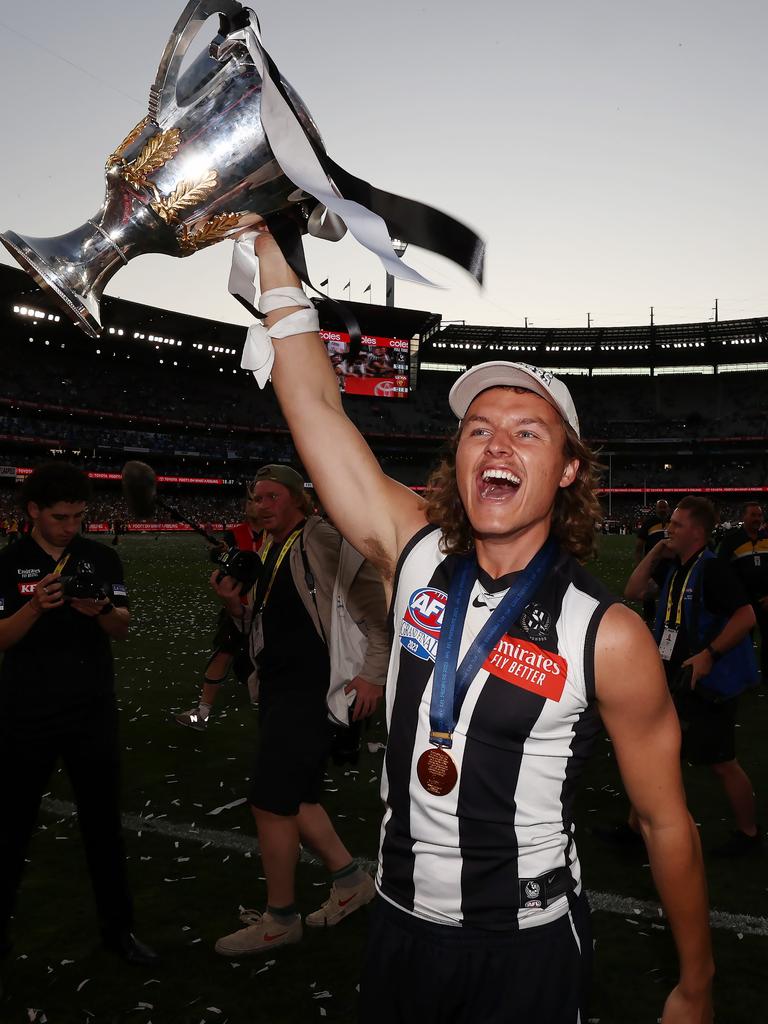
x,y
49,549
688,553
752,532
499,556
278,538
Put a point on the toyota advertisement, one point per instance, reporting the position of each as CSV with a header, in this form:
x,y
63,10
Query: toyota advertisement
x,y
380,369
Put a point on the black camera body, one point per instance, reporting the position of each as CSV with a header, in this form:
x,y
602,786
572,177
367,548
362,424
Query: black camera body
x,y
243,566
82,583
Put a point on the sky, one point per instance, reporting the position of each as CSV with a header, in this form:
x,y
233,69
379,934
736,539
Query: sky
x,y
611,154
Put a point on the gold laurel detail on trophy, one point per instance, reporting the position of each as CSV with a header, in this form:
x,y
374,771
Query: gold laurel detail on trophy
x,y
130,138
185,195
157,151
211,231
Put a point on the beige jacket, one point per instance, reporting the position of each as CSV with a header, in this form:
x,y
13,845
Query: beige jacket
x,y
349,609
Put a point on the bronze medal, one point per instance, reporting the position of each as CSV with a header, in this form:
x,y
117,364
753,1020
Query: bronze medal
x,y
437,772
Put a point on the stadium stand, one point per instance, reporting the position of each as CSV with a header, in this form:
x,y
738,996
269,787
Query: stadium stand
x,y
672,408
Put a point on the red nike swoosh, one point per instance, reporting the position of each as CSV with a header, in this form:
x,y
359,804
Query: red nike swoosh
x,y
271,938
343,903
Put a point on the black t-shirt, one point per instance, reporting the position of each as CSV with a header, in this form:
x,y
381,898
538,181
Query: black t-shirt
x,y
749,560
294,657
652,531
63,664
721,592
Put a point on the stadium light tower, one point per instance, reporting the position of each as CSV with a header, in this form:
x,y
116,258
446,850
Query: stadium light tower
x,y
399,248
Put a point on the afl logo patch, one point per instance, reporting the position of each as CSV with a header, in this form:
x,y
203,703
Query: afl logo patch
x,y
422,622
535,622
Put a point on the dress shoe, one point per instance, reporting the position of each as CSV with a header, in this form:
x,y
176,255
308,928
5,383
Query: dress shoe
x,y
131,949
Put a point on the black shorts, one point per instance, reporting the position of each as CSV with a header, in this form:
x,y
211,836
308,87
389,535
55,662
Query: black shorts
x,y
294,743
709,730
416,972
227,639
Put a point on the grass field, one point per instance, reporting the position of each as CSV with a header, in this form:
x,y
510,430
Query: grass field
x,y
188,881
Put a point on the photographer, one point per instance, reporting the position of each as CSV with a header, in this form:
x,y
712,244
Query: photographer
x,y
702,630
62,600
230,647
317,633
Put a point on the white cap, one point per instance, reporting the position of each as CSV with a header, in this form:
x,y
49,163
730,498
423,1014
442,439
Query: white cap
x,y
512,375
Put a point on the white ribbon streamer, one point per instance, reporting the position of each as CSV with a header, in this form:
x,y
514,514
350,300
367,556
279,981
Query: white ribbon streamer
x,y
299,163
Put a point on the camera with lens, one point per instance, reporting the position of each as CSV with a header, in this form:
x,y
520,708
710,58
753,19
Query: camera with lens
x,y
243,566
82,583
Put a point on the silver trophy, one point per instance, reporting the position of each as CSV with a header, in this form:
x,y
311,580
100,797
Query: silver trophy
x,y
196,170
202,167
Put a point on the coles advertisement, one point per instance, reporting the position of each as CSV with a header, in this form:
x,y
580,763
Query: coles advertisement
x,y
380,369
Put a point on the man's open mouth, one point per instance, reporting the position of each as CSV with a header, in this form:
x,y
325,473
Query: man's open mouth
x,y
498,483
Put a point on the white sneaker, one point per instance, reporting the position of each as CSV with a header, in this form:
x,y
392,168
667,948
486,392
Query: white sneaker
x,y
341,903
262,932
193,718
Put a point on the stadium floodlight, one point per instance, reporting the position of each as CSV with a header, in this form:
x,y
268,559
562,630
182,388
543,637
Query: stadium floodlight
x,y
15,309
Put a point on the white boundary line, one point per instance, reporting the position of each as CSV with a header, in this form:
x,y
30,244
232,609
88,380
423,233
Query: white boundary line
x,y
742,924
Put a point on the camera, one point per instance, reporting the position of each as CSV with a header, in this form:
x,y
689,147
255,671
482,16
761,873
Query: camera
x,y
243,566
82,583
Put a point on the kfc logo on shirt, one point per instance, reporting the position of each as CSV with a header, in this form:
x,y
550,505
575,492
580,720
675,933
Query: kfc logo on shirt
x,y
27,588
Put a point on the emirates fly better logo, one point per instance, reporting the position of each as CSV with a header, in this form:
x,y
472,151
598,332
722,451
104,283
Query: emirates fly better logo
x,y
422,622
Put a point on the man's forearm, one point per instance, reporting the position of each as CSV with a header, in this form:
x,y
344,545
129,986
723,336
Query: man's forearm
x,y
677,866
18,625
115,624
639,583
734,631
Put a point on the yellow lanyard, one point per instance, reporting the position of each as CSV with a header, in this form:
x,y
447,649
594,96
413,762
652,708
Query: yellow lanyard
x,y
679,613
287,545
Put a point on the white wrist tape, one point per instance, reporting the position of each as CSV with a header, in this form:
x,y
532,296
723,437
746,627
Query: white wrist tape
x,y
258,352
279,298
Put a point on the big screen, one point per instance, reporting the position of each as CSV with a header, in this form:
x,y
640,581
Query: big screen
x,y
380,369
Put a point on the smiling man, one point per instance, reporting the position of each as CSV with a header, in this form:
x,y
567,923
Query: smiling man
x,y
505,652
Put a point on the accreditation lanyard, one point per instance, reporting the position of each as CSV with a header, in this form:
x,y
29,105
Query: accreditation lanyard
x,y
451,680
681,597
287,545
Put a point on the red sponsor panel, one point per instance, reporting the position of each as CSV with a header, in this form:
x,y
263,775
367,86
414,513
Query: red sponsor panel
x,y
379,370
381,387
528,666
27,588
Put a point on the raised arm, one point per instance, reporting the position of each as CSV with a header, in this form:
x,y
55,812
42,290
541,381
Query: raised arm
x,y
376,514
640,718
641,583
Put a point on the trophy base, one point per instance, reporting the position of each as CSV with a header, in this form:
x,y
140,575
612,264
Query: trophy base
x,y
71,303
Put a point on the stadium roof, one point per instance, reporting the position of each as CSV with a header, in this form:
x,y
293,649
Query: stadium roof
x,y
712,343
17,289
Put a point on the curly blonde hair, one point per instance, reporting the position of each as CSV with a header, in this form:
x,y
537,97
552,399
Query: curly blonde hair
x,y
576,514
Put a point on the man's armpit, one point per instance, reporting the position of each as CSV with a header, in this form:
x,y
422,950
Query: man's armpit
x,y
374,551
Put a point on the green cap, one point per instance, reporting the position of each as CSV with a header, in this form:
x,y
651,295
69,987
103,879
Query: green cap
x,y
281,475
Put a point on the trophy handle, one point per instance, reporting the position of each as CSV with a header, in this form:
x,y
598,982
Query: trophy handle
x,y
162,94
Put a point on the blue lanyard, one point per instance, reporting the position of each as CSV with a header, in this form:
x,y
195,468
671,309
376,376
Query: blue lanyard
x,y
450,683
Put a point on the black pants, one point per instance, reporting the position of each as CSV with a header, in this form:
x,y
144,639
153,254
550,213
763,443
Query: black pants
x,y
762,625
416,972
89,750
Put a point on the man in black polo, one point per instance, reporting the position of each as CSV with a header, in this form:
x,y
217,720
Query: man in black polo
x,y
746,549
62,600
652,530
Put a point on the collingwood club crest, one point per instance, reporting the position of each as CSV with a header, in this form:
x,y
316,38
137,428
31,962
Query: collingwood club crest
x,y
535,622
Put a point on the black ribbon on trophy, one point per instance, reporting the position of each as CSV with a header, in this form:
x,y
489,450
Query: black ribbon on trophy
x,y
227,145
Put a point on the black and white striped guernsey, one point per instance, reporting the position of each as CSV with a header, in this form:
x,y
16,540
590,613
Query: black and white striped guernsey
x,y
458,859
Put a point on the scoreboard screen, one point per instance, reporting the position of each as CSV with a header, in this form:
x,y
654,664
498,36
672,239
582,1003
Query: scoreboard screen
x,y
379,370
